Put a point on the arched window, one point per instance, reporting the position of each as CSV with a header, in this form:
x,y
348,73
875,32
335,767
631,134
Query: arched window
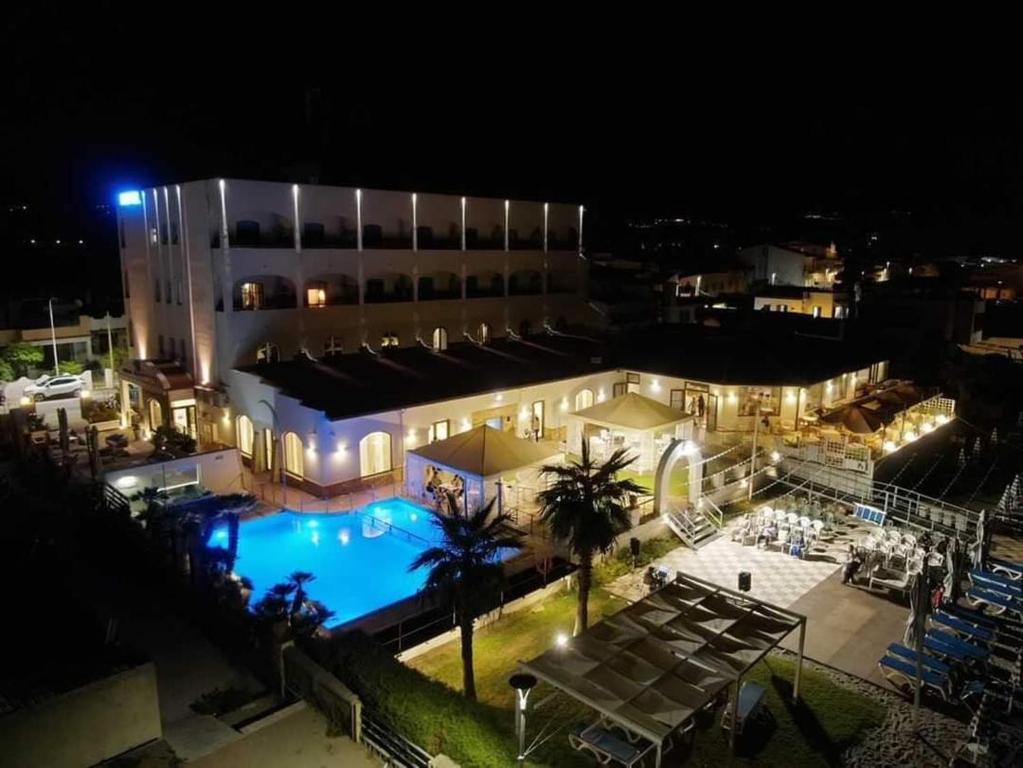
x,y
155,414
440,339
293,461
375,453
583,399
245,435
484,333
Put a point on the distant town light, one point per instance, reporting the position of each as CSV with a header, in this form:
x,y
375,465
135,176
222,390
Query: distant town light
x,y
131,197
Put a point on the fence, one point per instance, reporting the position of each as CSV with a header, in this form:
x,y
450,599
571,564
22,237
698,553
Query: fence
x,y
395,749
306,679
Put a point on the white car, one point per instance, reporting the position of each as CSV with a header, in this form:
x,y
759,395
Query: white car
x,y
54,386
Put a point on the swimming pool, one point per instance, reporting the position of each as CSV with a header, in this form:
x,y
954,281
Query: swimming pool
x,y
360,559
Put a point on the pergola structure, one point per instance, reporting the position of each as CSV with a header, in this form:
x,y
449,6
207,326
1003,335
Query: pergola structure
x,y
486,459
652,666
643,426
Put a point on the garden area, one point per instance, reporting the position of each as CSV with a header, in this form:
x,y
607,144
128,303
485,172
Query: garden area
x,y
816,732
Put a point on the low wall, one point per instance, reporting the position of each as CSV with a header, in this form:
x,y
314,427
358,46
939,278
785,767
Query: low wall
x,y
218,471
304,677
84,726
649,530
526,601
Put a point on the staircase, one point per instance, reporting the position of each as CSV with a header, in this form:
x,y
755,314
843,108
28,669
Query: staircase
x,y
692,526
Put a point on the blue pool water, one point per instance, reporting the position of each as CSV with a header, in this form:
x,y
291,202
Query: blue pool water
x,y
360,561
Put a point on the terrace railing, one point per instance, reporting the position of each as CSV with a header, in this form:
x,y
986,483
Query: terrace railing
x,y
388,527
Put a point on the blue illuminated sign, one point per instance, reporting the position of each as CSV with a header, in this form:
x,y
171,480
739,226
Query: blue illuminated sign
x,y
129,198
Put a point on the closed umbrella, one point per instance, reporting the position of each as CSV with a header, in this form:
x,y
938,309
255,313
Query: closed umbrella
x,y
978,552
856,419
955,562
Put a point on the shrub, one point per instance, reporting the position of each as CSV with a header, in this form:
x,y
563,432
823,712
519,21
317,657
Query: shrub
x,y
423,710
620,563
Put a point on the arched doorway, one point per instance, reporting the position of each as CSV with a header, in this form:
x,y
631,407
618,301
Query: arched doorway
x,y
375,453
294,461
440,339
583,399
484,333
155,414
675,487
244,433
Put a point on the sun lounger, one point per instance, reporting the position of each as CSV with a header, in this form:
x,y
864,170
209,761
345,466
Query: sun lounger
x,y
902,674
605,747
1012,570
996,583
960,627
908,654
995,601
751,699
948,646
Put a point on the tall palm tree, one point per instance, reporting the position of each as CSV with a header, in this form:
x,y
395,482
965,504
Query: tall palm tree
x,y
587,506
465,568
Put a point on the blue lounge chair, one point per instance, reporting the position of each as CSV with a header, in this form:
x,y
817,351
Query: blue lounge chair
x,y
997,602
960,627
992,581
605,746
948,646
1012,570
908,654
977,618
902,674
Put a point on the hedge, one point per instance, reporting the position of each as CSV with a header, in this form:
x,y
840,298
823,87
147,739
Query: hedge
x,y
422,710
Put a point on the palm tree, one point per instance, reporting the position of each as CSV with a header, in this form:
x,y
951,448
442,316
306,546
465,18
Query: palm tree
x,y
587,506
465,568
298,580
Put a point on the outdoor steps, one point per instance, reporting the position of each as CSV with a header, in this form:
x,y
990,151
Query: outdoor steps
x,y
692,527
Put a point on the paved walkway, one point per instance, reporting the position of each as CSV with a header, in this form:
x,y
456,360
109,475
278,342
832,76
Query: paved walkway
x,y
298,740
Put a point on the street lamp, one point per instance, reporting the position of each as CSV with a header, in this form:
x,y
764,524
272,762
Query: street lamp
x,y
53,336
522,683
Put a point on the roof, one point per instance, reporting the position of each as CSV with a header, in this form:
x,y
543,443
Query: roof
x,y
485,451
359,384
632,411
653,665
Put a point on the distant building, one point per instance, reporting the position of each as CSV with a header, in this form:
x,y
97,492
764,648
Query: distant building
x,y
816,302
80,338
801,264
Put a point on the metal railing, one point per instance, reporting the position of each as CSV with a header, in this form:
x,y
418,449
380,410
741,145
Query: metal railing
x,y
394,748
387,527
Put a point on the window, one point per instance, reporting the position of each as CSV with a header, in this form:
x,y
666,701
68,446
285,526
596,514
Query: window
x,y
839,311
293,460
316,297
153,237
167,291
252,295
440,339
676,399
484,333
155,414
439,430
156,288
817,311
537,419
375,453
179,290
583,399
181,348
389,339
244,435
159,344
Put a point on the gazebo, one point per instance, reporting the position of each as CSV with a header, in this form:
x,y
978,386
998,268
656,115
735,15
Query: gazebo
x,y
478,465
643,426
651,667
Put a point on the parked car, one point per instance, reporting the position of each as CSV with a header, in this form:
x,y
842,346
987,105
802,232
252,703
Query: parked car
x,y
55,386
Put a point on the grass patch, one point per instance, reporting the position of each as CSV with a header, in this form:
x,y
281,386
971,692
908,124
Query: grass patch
x,y
813,733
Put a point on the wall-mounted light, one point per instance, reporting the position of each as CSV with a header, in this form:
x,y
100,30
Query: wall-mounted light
x,y
499,396
524,414
655,386
564,404
466,424
600,395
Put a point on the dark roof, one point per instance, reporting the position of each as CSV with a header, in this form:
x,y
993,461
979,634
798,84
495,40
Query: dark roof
x,y
362,383
771,351
359,384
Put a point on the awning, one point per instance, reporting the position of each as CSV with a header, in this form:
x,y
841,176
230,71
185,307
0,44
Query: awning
x,y
632,411
486,452
653,665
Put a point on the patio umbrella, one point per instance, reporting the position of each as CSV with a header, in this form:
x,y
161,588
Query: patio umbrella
x,y
955,568
916,627
857,419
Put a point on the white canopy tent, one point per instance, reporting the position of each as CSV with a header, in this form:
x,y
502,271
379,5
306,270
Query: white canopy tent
x,y
489,462
652,666
644,426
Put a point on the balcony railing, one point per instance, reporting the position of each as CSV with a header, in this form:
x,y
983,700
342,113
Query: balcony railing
x,y
284,301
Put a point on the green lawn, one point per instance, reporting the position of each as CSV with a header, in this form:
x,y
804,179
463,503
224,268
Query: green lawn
x,y
829,719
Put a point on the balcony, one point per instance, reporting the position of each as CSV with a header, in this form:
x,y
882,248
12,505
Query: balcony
x,y
249,234
474,242
426,240
374,237
388,288
314,235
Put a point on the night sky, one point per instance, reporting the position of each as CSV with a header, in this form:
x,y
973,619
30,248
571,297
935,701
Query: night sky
x,y
747,143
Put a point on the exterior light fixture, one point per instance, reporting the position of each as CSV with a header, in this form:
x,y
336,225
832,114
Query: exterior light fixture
x,y
775,456
499,396
523,684
561,640
890,446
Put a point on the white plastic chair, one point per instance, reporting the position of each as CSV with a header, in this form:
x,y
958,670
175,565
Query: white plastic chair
x,y
793,518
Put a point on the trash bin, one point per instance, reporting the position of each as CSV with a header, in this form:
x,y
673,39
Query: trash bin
x,y
745,581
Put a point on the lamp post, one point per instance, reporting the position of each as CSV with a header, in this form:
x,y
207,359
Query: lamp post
x,y
523,684
53,337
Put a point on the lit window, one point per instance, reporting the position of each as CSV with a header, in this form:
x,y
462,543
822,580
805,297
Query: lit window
x,y
440,339
439,430
245,435
584,399
389,340
484,333
252,295
294,463
375,453
817,311
316,297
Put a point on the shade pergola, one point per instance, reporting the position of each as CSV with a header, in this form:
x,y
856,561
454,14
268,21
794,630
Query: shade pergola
x,y
630,420
652,666
483,457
